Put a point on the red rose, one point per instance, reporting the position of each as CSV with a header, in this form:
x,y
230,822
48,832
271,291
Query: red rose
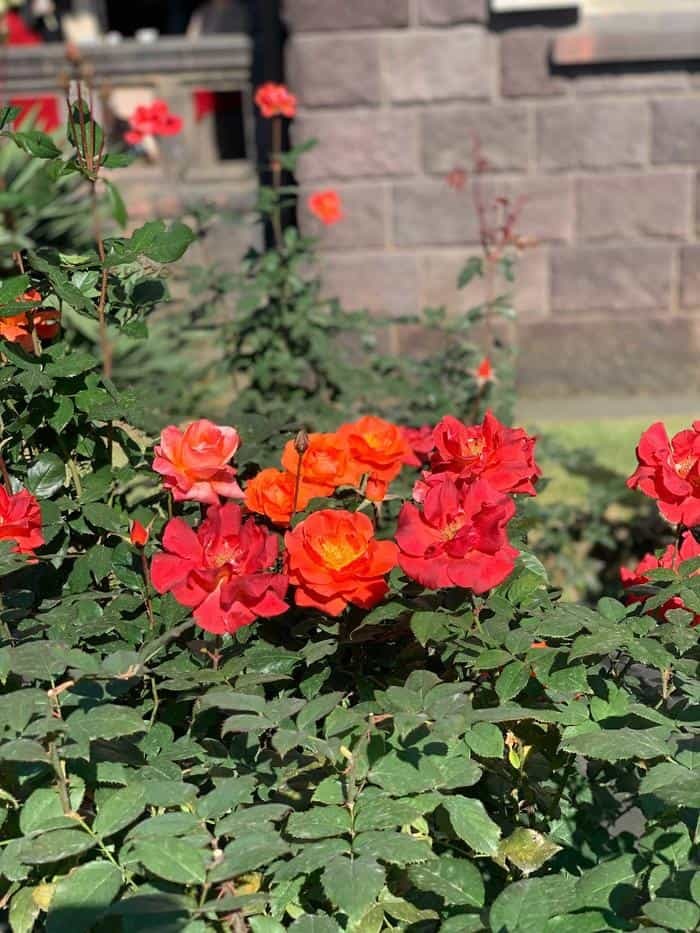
x,y
20,520
275,100
221,569
378,449
420,441
195,462
670,559
138,535
327,206
505,457
152,120
484,373
459,538
334,560
669,471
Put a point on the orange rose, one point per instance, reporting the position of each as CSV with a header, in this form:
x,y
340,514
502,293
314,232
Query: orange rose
x,y
379,449
271,493
334,560
18,328
326,463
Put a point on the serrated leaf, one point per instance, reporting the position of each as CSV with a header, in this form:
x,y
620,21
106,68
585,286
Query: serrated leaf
x,y
250,852
472,823
119,809
512,680
393,847
314,923
43,810
178,862
46,475
456,881
319,822
527,849
616,744
525,907
54,846
353,885
36,143
23,911
83,897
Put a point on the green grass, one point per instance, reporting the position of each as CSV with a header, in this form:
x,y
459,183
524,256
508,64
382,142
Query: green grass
x,y
612,440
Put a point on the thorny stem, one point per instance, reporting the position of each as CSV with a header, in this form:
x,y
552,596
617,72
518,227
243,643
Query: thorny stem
x,y
61,780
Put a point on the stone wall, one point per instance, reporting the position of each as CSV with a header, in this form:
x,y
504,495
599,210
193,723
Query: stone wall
x,y
606,159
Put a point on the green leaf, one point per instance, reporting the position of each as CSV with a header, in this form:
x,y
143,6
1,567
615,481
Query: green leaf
x,y
595,886
116,204
54,846
393,847
485,739
8,113
429,626
527,849
153,240
178,861
316,709
473,267
673,913
37,144
492,658
46,475
616,744
23,911
353,885
319,822
380,812
43,811
456,881
472,823
248,853
83,897
122,807
525,907
104,722
513,678
315,923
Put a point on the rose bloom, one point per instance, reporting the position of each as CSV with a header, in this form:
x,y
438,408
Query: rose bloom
x,y
325,465
152,120
20,520
221,569
491,451
669,471
459,538
379,449
326,206
138,535
670,559
18,327
271,493
420,442
194,463
334,560
275,100
484,373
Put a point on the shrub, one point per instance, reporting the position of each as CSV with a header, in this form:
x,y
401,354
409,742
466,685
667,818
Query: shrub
x,y
338,703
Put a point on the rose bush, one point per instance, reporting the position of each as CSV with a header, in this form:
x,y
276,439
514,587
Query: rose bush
x,y
332,704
